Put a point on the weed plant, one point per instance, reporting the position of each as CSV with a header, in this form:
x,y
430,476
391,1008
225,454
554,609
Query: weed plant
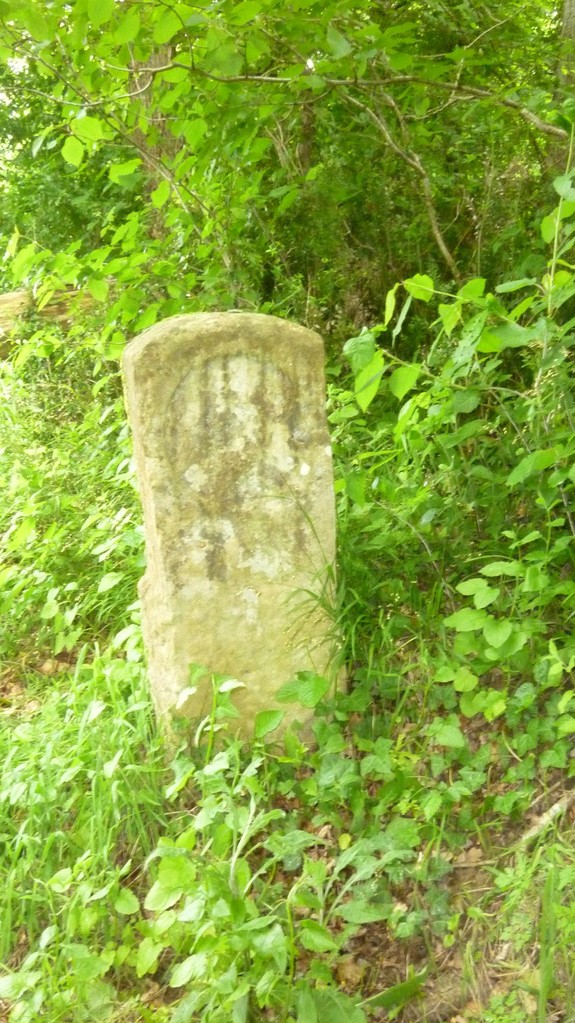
x,y
334,880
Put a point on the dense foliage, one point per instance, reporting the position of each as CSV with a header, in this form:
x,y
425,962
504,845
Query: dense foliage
x,y
400,176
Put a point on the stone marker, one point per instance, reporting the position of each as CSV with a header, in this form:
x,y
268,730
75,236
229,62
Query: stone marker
x,y
234,467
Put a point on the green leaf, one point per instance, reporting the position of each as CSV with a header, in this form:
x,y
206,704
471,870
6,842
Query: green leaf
x,y
472,290
506,335
147,957
244,12
368,380
465,680
470,586
307,688
128,28
316,938
98,289
194,130
332,1006
549,226
390,305
523,282
305,1003
108,581
534,462
267,721
126,902
450,316
90,128
514,569
166,27
73,150
337,43
399,995
117,171
563,185
359,351
467,619
403,379
359,911
192,968
420,286
100,11
161,194
497,631
448,735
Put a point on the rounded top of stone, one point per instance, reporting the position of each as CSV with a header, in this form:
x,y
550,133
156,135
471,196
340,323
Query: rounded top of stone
x,y
232,327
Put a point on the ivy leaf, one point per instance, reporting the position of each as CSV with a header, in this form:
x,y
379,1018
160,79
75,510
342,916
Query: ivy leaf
x,y
465,680
73,151
472,290
403,379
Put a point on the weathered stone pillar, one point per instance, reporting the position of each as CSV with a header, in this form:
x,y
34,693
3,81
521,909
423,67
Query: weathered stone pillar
x,y
234,467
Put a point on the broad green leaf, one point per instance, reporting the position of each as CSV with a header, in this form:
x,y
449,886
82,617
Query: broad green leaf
x,y
448,735
100,11
192,968
563,185
359,351
467,619
117,171
332,1006
316,938
267,721
465,401
465,680
506,335
73,150
470,586
337,43
549,226
147,957
160,897
128,28
472,290
534,462
511,568
403,379
194,130
485,597
358,911
523,282
497,631
368,380
450,316
246,11
420,286
307,688
98,288
161,194
108,581
565,725
167,26
90,128
126,902
305,1003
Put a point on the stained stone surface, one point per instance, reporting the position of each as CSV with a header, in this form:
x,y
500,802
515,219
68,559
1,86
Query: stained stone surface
x,y
233,462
